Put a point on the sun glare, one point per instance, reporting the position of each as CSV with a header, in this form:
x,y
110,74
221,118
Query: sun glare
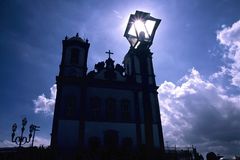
x,y
150,25
140,27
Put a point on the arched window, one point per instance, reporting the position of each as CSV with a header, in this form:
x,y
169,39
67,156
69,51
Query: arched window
x,y
110,109
125,110
95,104
74,56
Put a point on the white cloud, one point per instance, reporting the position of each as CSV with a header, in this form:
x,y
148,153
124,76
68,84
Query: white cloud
x,y
44,104
40,141
117,14
6,143
200,113
223,71
229,37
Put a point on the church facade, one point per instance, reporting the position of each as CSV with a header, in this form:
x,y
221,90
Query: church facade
x,y
112,106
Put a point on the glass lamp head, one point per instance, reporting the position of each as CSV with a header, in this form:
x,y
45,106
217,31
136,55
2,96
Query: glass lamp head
x,y
24,121
31,128
141,27
14,127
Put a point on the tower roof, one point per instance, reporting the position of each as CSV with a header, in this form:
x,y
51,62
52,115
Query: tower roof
x,y
76,38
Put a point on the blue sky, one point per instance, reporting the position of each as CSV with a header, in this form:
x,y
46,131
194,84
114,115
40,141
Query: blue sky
x,y
196,61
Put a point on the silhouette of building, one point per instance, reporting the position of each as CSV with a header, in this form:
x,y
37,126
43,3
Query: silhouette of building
x,y
111,106
111,112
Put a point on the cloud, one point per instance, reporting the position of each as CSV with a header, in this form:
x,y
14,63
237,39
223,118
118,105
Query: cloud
x,y
197,112
223,71
40,141
6,143
117,14
229,37
46,105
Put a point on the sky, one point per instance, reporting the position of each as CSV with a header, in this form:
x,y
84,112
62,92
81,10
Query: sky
x,y
196,56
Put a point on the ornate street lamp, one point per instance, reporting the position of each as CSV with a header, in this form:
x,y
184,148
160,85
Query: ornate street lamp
x,y
140,32
141,28
21,140
33,128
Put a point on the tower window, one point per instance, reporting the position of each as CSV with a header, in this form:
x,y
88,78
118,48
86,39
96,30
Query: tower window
x,y
95,103
110,109
74,56
125,110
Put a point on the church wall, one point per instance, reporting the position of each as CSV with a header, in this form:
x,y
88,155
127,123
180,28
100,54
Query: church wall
x,y
128,66
68,117
150,71
101,76
99,126
68,134
73,71
143,133
119,77
97,129
142,126
70,102
156,135
155,107
117,94
140,98
137,69
150,79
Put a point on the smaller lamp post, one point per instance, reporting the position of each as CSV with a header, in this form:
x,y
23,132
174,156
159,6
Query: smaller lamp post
x,y
33,128
141,28
21,140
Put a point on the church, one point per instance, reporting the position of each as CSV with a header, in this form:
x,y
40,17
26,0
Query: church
x,y
113,105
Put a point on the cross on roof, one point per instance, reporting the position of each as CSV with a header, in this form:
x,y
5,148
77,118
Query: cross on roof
x,y
109,53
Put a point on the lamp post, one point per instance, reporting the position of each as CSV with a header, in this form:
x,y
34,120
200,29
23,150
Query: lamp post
x,y
21,140
140,32
33,128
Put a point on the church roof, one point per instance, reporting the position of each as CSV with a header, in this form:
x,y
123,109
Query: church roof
x,y
108,71
77,39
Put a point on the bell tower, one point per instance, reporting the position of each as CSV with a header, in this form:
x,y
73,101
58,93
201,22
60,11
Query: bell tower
x,y
74,57
67,130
